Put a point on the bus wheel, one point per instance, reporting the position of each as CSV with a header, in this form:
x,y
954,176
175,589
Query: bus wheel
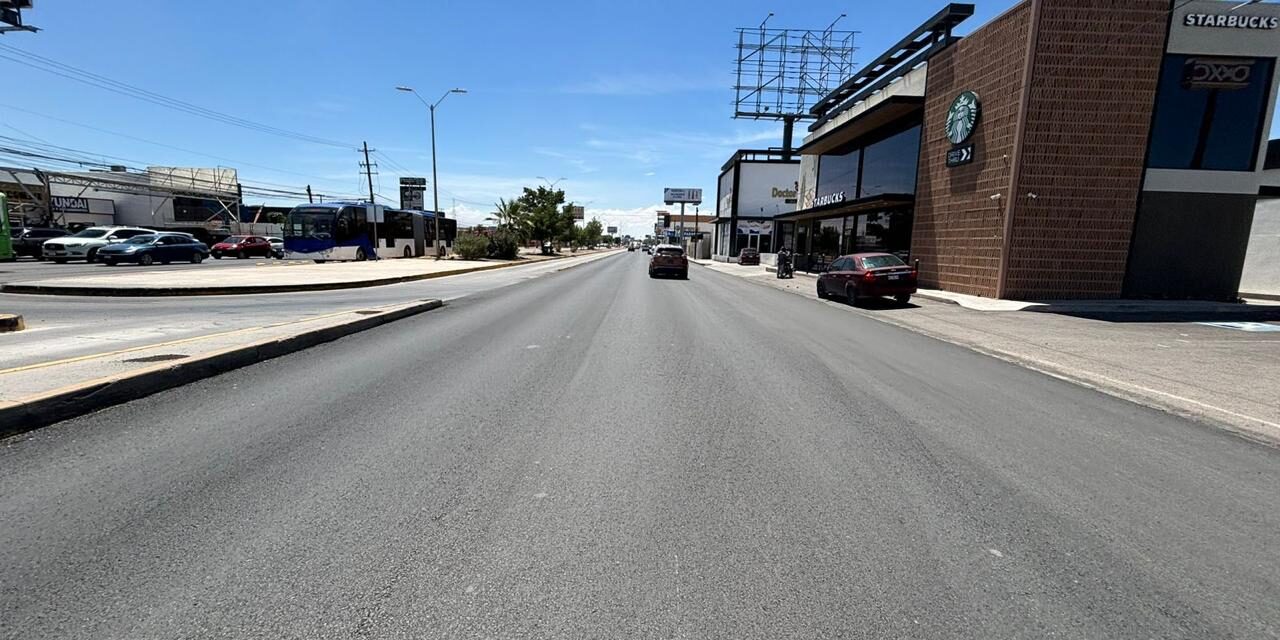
x,y
360,257
319,261
408,253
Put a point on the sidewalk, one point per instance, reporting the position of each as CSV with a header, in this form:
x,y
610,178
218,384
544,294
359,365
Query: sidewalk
x,y
273,277
1207,361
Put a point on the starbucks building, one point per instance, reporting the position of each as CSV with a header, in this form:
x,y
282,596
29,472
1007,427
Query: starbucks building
x,y
1065,149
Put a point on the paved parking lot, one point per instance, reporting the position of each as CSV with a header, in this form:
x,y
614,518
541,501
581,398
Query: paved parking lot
x,y
26,269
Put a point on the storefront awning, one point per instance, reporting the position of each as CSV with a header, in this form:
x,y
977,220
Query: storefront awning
x,y
873,203
889,110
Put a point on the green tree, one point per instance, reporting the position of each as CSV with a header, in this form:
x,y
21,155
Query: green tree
x,y
471,245
541,216
590,233
509,216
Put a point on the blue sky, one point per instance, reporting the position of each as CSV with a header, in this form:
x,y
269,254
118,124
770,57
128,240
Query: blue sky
x,y
620,98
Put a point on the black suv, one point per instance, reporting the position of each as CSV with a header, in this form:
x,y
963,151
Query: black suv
x,y
27,242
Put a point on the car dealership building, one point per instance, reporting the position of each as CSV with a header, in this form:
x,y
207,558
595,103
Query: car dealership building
x,y
1066,149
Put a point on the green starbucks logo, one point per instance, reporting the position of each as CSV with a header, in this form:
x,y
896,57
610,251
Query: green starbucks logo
x,y
962,117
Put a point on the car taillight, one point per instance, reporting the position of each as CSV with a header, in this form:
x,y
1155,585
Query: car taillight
x,y
868,276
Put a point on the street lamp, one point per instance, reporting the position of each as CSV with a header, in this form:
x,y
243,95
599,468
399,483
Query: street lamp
x,y
550,183
435,188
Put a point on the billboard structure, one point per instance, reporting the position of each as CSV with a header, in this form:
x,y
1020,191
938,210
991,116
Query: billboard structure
x,y
681,196
782,73
579,213
766,189
611,230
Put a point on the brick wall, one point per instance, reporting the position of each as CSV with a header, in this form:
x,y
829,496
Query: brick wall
x,y
1088,113
958,228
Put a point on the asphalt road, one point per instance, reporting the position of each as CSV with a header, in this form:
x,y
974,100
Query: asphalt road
x,y
72,326
25,269
593,454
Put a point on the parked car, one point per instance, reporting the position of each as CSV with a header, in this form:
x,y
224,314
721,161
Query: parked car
x,y
668,259
868,275
159,247
277,247
749,256
242,247
85,244
28,241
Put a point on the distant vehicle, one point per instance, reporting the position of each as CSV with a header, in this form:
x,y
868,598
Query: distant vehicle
x,y
347,231
160,247
648,248
668,259
277,246
85,244
868,275
28,241
631,247
242,247
749,256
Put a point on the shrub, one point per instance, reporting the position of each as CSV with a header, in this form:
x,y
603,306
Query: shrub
x,y
504,245
471,246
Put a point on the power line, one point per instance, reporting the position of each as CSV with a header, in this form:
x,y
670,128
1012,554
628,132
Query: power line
x,y
158,144
102,82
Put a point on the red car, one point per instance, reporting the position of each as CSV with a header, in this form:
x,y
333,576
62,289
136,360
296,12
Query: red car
x,y
242,247
749,256
668,258
868,275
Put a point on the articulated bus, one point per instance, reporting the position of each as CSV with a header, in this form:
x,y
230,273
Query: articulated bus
x,y
347,231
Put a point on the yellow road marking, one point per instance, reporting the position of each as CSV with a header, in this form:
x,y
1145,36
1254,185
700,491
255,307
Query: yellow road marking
x,y
92,356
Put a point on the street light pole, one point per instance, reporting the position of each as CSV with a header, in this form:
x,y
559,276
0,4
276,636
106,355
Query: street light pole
x,y
435,187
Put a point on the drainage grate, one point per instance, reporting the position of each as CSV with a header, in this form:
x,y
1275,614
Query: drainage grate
x,y
157,358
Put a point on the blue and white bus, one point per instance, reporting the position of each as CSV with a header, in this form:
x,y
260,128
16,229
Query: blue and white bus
x,y
347,231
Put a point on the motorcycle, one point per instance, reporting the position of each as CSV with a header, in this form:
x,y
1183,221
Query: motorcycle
x,y
784,269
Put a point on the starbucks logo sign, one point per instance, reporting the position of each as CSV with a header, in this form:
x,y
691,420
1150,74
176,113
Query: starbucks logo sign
x,y
962,117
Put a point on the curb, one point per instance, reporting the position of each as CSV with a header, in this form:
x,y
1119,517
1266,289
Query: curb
x,y
11,322
43,409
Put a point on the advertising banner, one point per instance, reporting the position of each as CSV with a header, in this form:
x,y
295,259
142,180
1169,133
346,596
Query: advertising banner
x,y
767,189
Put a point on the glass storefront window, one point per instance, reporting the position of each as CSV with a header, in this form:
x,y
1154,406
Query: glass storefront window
x,y
1209,113
827,241
889,166
839,172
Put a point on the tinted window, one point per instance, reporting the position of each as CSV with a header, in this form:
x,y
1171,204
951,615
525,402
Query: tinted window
x,y
889,166
1209,113
670,251
839,172
143,239
876,262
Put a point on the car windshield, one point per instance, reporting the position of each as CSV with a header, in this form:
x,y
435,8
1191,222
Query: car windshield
x,y
92,233
876,262
143,239
670,251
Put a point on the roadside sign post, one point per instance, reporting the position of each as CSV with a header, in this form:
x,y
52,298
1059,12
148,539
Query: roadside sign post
x,y
682,197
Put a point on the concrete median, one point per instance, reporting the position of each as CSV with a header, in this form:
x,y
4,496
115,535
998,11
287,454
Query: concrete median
x,y
36,410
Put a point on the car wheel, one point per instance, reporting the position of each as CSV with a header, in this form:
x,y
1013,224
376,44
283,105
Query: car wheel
x,y
197,257
851,295
684,275
652,274
109,262
822,291
240,255
217,256
319,261
360,257
146,260
903,299
60,260
91,256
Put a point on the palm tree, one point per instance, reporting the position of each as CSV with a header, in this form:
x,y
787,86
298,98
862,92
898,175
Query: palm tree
x,y
510,215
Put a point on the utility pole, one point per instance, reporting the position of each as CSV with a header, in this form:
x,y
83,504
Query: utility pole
x,y
309,198
368,172
681,224
697,231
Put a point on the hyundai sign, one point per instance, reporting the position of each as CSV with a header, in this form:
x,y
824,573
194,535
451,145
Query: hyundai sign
x,y
677,196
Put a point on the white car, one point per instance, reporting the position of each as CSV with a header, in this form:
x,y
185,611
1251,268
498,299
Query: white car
x,y
277,247
84,245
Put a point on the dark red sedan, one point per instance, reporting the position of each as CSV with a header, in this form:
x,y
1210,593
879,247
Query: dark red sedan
x,y
749,256
868,275
242,247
